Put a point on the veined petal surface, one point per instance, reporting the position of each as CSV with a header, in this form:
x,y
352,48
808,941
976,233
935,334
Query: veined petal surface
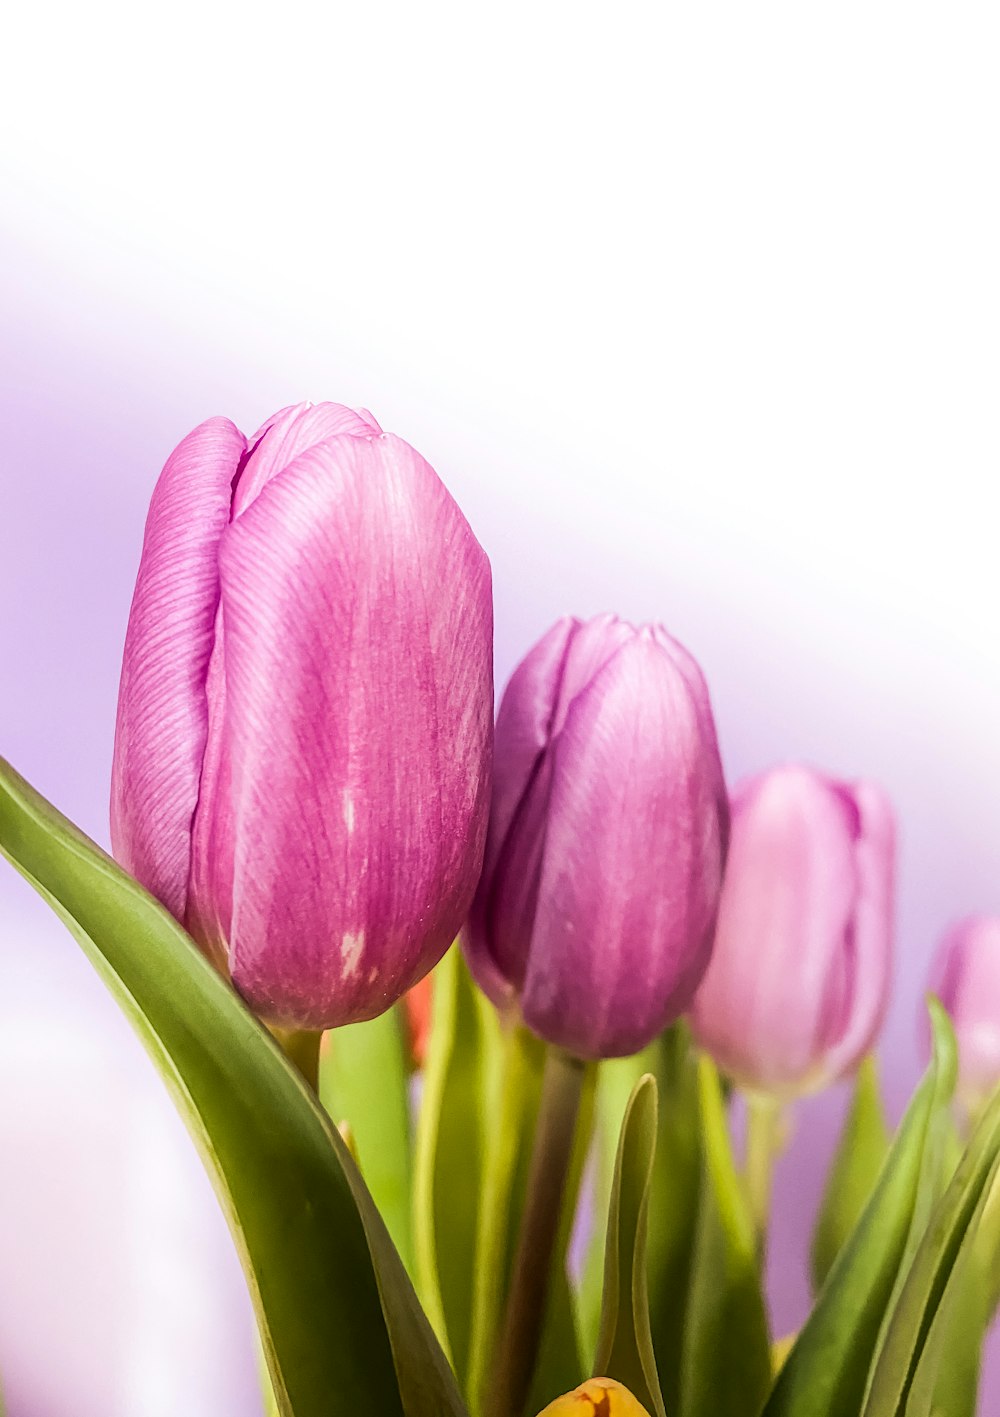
x,y
162,709
633,859
349,812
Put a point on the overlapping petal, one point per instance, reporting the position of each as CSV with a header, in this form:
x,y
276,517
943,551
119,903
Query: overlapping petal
x,y
349,811
632,862
966,978
799,973
162,709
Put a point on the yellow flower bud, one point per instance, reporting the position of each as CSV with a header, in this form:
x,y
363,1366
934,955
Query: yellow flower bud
x,y
600,1397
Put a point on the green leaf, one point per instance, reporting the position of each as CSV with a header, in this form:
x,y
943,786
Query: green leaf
x,y
339,1321
514,1088
616,1079
946,1382
864,1145
625,1345
673,1200
461,1060
826,1372
726,1367
364,1081
560,1364
911,1356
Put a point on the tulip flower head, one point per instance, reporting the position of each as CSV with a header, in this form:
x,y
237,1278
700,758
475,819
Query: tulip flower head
x,y
607,833
798,983
966,978
303,748
600,1397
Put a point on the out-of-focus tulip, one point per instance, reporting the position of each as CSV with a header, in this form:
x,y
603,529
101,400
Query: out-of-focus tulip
x,y
419,1003
302,758
966,978
607,834
601,1397
799,977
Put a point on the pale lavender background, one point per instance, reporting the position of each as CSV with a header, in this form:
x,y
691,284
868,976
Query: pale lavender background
x,y
698,324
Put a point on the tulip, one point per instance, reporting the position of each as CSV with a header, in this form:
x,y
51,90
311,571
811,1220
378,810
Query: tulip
x,y
965,976
303,747
601,1397
797,987
596,908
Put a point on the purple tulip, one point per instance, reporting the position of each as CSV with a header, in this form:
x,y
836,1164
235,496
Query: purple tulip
x,y
966,978
303,751
606,841
799,977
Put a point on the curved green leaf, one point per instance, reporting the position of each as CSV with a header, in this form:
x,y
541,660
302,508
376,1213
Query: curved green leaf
x,y
560,1365
861,1153
726,1367
364,1081
513,1092
625,1345
339,1321
673,1207
921,1310
461,1060
826,1372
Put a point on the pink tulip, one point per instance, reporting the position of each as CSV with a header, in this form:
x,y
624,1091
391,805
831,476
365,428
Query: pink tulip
x,y
607,835
797,987
303,750
966,978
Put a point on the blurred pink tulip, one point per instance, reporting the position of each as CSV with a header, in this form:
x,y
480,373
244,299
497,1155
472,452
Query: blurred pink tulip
x,y
303,749
798,983
606,841
965,976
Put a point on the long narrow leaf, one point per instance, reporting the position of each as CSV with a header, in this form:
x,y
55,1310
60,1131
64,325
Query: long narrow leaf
x,y
826,1372
861,1153
726,1368
625,1346
950,1233
339,1321
364,1081
449,1157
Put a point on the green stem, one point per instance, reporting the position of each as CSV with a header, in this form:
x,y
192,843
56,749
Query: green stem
x,y
499,1172
301,1047
764,1144
520,1337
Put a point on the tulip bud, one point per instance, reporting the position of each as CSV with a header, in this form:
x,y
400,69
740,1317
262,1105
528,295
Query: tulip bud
x,y
965,976
303,748
607,830
601,1397
798,982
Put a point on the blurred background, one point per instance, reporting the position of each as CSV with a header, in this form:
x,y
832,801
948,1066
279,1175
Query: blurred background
x,y
695,308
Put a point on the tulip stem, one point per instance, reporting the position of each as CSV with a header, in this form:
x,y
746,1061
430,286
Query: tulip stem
x,y
493,1228
520,1337
765,1139
301,1047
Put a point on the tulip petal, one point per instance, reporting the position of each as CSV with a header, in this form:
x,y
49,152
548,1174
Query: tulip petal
x,y
162,709
966,978
291,432
520,796
349,812
621,937
787,904
871,956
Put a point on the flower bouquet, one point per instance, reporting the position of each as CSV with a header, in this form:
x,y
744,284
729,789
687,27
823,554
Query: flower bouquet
x,y
498,1177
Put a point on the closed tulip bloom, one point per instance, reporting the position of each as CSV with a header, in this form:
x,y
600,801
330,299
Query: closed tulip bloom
x,y
303,748
966,978
607,832
798,983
